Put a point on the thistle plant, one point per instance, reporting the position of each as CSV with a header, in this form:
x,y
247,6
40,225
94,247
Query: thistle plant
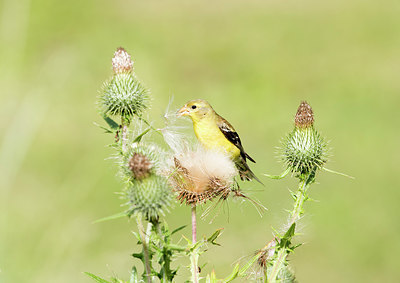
x,y
304,152
200,176
147,193
150,181
153,179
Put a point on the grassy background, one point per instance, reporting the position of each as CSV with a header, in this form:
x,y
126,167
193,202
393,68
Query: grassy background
x,y
254,61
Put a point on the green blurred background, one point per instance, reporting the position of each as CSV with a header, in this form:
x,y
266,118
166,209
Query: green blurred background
x,y
254,61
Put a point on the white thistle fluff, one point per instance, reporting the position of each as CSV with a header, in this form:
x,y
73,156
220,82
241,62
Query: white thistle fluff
x,y
173,132
204,165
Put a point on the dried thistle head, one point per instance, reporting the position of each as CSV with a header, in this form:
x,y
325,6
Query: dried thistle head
x,y
266,253
198,176
140,166
122,62
304,117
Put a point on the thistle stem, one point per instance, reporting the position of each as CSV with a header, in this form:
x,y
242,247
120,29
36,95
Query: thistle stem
x,y
194,225
195,255
279,261
123,135
295,215
301,197
166,273
145,238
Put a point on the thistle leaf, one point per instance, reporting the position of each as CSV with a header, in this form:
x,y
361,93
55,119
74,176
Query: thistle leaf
x,y
178,229
290,232
214,236
138,255
106,130
233,275
111,217
278,177
134,276
243,270
97,278
139,137
113,125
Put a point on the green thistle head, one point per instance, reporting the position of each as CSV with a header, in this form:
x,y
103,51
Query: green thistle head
x,y
150,197
148,191
304,150
123,95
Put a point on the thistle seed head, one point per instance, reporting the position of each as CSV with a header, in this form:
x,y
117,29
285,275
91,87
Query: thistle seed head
x,y
140,166
198,176
122,62
304,117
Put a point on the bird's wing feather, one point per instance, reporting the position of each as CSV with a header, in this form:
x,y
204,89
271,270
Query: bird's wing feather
x,y
232,136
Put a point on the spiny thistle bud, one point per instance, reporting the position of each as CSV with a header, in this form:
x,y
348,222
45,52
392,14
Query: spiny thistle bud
x,y
202,175
122,62
304,150
141,161
140,166
150,197
123,95
148,191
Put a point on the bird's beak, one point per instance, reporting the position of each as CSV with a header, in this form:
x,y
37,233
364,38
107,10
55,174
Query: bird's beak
x,y
183,111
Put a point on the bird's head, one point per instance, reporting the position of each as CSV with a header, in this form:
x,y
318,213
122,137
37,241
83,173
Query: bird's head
x,y
196,109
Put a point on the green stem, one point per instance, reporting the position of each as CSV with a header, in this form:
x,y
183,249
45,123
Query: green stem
x,y
301,197
166,261
278,264
145,238
295,215
195,255
123,134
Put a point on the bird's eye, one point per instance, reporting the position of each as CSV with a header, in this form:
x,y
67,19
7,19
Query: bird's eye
x,y
194,106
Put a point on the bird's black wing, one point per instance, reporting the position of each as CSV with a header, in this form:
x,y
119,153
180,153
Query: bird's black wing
x,y
232,136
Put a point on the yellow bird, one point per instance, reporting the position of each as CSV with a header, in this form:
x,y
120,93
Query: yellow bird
x,y
215,133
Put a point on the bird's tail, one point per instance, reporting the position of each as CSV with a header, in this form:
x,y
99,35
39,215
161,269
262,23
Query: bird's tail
x,y
245,173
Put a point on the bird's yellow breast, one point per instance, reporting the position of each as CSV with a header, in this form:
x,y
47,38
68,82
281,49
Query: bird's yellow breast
x,y
211,137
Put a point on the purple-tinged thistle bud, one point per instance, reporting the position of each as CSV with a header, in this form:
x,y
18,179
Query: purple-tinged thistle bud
x,y
123,95
122,62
